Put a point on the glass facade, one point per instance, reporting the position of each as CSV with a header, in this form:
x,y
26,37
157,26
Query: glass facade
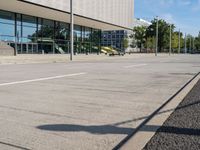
x,y
114,39
33,35
7,28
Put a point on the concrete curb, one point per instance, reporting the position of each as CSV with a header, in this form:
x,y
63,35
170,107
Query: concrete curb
x,y
144,132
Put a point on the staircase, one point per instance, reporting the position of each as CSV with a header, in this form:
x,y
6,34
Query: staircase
x,y
61,51
6,50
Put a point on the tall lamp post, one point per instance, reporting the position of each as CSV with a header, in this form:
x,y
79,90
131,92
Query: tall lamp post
x,y
193,43
71,30
179,41
190,44
185,43
170,39
156,51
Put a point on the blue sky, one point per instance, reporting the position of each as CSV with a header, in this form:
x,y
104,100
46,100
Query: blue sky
x,y
185,14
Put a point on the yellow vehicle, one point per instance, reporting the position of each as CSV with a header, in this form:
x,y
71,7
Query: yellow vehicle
x,y
111,51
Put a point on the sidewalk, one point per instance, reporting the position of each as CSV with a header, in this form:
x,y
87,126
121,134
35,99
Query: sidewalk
x,y
63,58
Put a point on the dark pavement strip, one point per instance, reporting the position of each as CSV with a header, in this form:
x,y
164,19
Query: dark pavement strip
x,y
181,131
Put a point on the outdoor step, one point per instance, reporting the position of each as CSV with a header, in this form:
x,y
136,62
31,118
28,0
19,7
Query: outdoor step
x,y
6,50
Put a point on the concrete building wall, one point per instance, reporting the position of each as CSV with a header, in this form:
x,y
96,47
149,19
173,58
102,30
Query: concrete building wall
x,y
6,50
117,12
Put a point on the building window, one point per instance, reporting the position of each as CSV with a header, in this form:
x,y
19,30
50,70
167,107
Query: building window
x,y
37,35
29,28
48,29
77,33
61,31
87,34
7,26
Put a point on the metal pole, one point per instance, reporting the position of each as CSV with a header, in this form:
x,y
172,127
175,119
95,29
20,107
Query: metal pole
x,y
170,40
156,52
15,34
71,30
179,41
190,44
193,47
185,43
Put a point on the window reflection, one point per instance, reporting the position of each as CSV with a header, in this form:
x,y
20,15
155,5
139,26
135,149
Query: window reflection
x,y
29,21
7,28
87,34
34,35
29,29
48,29
7,17
77,33
61,31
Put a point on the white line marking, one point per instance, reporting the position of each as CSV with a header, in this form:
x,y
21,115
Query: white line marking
x,y
138,65
42,79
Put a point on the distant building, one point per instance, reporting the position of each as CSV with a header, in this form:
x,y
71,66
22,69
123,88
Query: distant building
x,y
141,22
115,38
137,23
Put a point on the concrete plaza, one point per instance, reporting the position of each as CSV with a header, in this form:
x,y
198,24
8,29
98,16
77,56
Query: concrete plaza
x,y
91,103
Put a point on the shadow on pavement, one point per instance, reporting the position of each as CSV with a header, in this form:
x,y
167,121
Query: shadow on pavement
x,y
116,129
178,131
104,129
109,129
162,112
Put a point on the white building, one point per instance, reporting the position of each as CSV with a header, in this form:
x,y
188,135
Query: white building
x,y
137,22
115,38
141,22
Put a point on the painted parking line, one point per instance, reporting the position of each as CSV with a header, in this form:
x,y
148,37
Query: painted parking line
x,y
134,66
42,79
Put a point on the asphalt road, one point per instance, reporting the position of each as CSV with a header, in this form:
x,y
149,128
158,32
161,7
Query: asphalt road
x,y
85,104
181,131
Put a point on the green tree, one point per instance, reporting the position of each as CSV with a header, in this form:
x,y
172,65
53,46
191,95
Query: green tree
x,y
133,43
197,43
163,33
182,42
175,42
150,44
140,36
189,39
125,43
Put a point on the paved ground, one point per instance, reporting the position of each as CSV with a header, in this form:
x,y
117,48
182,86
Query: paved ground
x,y
85,104
63,58
181,131
60,58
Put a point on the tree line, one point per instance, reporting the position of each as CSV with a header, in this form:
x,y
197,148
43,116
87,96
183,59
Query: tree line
x,y
145,38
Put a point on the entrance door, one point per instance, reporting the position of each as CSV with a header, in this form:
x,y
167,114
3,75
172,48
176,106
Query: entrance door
x,y
27,48
47,47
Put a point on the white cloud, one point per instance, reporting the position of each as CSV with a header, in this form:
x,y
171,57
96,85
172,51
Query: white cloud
x,y
171,11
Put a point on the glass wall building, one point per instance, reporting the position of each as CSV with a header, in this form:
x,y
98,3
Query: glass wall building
x,y
114,39
29,35
43,26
